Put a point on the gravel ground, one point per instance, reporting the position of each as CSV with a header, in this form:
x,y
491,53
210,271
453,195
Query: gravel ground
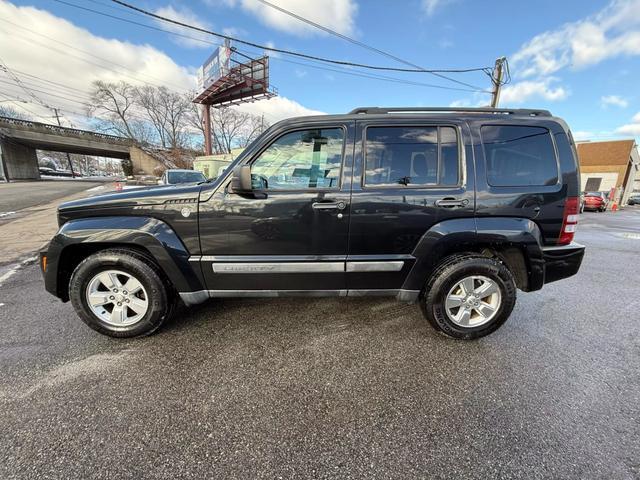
x,y
333,388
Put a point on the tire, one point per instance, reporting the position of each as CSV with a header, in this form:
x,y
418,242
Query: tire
x,y
153,300
445,282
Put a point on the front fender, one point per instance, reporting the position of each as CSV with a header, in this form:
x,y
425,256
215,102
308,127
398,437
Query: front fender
x,y
148,233
473,235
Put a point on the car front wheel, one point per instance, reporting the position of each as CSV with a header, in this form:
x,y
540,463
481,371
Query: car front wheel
x,y
120,293
469,296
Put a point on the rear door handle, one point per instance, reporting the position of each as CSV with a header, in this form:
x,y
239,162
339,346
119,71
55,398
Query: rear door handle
x,y
329,205
451,202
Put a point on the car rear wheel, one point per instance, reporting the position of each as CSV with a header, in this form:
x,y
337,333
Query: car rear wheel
x,y
120,293
469,296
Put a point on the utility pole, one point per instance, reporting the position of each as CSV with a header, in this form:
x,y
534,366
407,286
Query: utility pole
x,y
73,175
496,79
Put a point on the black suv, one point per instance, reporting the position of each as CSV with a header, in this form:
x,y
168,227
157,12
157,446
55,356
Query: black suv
x,y
454,209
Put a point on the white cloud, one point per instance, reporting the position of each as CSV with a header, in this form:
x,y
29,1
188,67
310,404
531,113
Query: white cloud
x,y
41,46
55,62
465,102
614,100
338,15
521,92
430,7
632,128
184,15
581,135
612,32
278,108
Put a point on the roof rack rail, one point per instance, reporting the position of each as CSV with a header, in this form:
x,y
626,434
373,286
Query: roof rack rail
x,y
502,111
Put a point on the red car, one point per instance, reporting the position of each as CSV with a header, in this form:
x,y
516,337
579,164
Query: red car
x,y
595,201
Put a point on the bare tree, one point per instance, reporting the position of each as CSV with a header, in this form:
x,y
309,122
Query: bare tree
x,y
195,120
9,111
256,125
149,101
114,105
167,112
232,128
176,108
158,115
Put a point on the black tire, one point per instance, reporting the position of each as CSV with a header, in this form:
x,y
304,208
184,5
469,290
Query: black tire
x,y
160,301
451,271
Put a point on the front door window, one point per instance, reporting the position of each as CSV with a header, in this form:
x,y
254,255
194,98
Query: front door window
x,y
301,160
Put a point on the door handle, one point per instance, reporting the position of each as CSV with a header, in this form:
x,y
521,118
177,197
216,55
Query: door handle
x,y
451,202
329,205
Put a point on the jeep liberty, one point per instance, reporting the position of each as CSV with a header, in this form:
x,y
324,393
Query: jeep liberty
x,y
451,208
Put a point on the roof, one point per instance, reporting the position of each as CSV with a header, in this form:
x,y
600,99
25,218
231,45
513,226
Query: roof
x,y
430,113
615,152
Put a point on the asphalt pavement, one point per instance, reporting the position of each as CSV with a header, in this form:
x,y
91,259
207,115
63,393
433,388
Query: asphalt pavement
x,y
333,388
15,196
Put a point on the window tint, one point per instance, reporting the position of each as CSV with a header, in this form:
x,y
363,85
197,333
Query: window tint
x,y
411,156
518,156
185,177
300,160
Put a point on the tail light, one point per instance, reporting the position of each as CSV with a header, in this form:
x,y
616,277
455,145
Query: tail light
x,y
569,220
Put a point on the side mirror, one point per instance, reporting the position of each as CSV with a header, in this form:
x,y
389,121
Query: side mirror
x,y
241,180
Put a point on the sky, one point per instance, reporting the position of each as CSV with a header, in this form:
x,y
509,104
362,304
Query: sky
x,y
578,58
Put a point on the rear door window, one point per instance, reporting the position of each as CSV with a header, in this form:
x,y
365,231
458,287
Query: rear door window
x,y
411,156
519,156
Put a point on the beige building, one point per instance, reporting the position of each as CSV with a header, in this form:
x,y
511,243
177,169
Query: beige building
x,y
610,164
213,165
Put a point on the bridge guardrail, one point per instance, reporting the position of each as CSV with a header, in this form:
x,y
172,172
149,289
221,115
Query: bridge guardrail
x,y
56,128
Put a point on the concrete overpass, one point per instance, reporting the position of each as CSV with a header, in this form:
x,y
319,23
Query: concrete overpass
x,y
19,140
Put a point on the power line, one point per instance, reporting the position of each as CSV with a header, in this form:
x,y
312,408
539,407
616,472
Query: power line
x,y
92,55
49,94
377,50
5,68
272,49
41,83
19,101
323,67
373,76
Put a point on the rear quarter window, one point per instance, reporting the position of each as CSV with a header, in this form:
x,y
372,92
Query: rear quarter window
x,y
519,156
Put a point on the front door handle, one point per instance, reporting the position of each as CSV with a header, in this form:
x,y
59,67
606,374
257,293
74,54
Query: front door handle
x,y
451,202
329,205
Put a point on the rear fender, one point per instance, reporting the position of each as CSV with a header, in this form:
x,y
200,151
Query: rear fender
x,y
475,235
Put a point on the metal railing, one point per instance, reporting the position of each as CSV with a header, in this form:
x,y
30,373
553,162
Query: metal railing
x,y
505,111
64,130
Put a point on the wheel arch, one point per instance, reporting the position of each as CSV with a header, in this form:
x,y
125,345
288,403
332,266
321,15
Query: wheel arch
x,y
516,242
147,236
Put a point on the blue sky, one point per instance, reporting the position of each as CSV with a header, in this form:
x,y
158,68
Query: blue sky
x,y
580,59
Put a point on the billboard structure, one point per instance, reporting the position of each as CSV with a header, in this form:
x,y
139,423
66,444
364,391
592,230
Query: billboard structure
x,y
225,80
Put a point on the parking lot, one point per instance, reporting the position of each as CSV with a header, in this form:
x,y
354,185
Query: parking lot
x,y
334,388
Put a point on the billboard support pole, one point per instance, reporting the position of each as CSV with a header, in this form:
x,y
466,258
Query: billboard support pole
x,y
207,129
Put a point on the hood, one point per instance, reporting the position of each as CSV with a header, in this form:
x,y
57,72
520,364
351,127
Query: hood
x,y
135,201
135,197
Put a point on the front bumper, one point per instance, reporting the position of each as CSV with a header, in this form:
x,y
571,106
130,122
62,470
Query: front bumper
x,y
48,269
562,261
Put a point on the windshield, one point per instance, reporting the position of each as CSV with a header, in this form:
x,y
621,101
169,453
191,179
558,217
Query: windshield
x,y
185,177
